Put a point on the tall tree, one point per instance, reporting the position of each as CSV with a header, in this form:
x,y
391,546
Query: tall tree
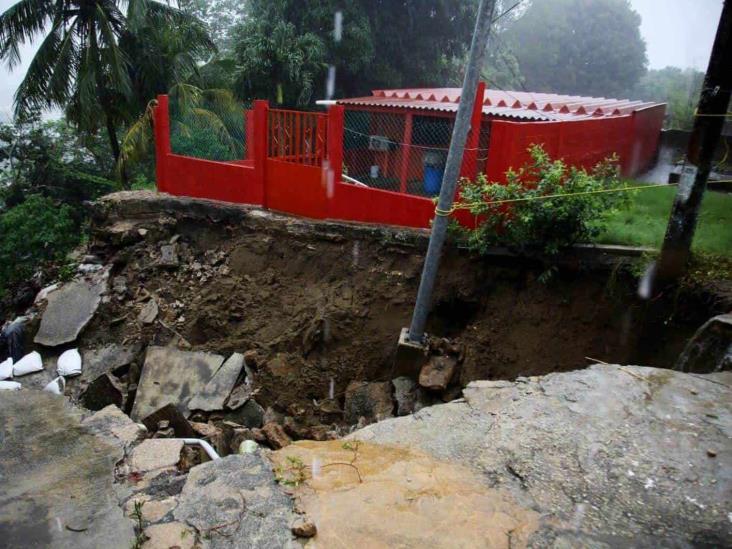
x,y
288,45
80,65
591,47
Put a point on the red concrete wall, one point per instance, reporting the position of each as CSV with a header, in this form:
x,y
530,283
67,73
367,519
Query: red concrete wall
x,y
584,143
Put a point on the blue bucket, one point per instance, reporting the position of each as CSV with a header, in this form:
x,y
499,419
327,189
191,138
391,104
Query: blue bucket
x,y
433,179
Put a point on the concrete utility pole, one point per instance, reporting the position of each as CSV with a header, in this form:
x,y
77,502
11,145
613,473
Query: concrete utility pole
x,y
710,117
452,171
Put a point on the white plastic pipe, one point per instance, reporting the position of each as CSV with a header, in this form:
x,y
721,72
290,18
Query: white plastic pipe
x,y
203,444
354,181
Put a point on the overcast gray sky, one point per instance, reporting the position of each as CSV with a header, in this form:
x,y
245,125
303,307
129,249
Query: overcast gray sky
x,y
677,32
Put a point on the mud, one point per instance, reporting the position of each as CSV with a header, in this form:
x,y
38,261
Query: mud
x,y
317,302
367,495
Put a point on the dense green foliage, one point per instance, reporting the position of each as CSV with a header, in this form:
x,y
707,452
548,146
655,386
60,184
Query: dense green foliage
x,y
34,233
579,47
283,48
96,62
680,89
518,215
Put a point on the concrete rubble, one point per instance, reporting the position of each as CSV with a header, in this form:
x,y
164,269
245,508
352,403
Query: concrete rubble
x,y
213,396
172,376
70,308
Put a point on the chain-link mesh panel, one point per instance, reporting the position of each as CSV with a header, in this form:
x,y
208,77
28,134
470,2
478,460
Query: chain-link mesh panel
x,y
210,130
395,153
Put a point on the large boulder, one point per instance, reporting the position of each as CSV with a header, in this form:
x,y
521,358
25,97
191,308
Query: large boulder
x,y
618,455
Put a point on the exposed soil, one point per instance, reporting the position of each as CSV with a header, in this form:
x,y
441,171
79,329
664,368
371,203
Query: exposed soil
x,y
321,302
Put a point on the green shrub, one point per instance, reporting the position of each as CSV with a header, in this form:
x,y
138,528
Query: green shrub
x,y
32,234
517,215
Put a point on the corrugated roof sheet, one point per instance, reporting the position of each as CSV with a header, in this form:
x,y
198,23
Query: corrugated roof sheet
x,y
504,104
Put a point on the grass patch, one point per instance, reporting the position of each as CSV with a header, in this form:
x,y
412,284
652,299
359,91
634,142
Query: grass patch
x,y
643,221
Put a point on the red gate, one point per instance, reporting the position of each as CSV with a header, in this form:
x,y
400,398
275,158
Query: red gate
x,y
297,137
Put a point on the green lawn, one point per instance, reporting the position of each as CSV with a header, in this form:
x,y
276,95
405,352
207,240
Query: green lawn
x,y
643,222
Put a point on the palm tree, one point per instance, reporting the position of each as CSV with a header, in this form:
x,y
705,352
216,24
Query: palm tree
x,y
81,65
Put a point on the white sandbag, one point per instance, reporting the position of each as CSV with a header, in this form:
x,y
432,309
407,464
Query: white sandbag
x,y
29,364
69,363
56,386
6,369
9,386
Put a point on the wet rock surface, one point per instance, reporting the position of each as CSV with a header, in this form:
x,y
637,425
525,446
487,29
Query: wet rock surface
x,y
619,456
235,502
57,482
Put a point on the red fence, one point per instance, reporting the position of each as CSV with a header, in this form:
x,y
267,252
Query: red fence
x,y
294,165
294,162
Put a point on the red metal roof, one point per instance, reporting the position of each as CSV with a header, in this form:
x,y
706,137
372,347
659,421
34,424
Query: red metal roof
x,y
503,104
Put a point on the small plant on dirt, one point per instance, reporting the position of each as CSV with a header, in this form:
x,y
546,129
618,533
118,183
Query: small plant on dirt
x,y
544,207
140,537
294,473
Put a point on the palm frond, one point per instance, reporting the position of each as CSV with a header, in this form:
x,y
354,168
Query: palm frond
x,y
20,24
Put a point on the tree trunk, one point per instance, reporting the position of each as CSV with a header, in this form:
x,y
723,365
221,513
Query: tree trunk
x,y
114,143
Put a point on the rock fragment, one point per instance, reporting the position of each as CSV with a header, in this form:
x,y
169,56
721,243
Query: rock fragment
x,y
149,312
371,400
180,425
154,454
114,426
437,373
217,390
276,435
304,528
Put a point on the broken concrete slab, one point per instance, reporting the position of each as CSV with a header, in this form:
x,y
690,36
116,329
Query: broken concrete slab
x,y
437,373
217,390
154,454
172,376
180,425
235,502
710,349
107,359
70,308
371,400
114,426
613,453
57,478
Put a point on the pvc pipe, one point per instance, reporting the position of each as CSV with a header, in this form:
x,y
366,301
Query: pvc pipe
x,y
354,181
203,444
